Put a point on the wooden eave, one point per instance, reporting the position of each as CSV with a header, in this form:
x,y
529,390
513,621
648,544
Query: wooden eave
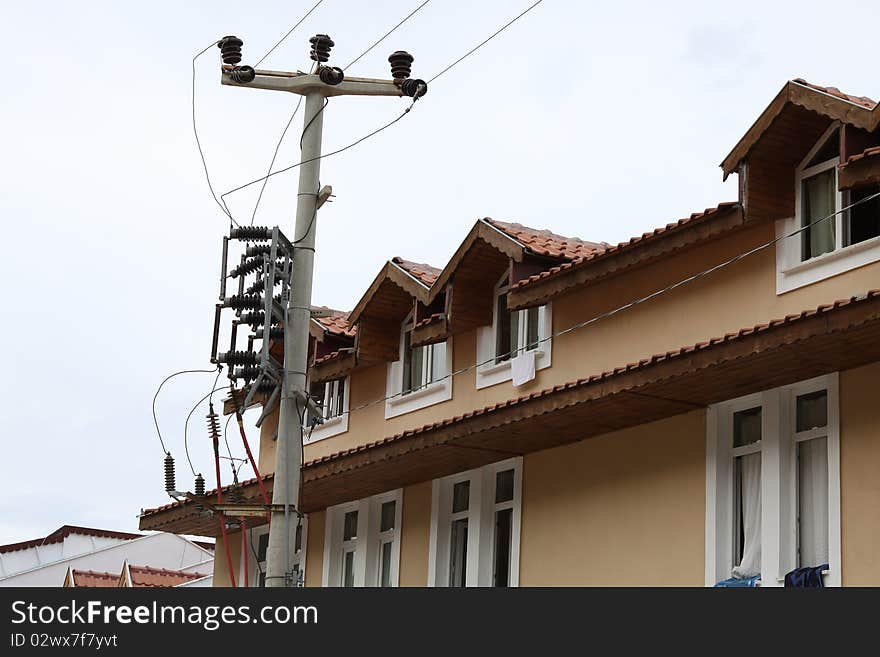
x,y
390,273
337,367
619,259
864,171
431,332
826,104
833,338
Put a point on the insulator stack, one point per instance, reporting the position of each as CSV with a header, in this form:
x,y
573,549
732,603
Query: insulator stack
x,y
260,285
200,485
251,233
414,88
331,75
236,494
243,302
401,64
239,358
258,249
230,49
254,318
248,373
243,74
213,425
170,482
321,45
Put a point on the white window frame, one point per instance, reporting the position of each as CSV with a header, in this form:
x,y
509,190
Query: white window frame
x,y
335,425
491,373
427,395
792,272
367,545
778,482
254,567
481,524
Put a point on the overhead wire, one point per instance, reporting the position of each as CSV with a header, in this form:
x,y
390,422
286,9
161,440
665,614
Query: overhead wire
x,y
386,35
610,313
274,155
186,423
155,396
289,32
484,42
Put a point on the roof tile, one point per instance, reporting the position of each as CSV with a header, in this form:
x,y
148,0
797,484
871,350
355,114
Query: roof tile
x,y
546,243
145,576
423,273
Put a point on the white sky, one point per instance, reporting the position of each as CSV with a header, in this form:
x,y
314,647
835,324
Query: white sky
x,y
600,120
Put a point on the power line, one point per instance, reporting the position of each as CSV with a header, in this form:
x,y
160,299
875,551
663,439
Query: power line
x,y
289,32
155,396
632,304
222,205
384,36
274,155
483,43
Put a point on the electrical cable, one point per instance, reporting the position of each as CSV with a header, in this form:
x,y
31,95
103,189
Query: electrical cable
x,y
170,376
483,43
631,304
275,155
186,426
289,32
388,33
321,157
222,206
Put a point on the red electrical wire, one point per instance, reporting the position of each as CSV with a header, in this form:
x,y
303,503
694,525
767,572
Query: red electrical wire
x,y
222,516
247,448
244,550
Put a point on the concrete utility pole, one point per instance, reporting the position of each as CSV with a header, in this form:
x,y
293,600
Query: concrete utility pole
x,y
323,82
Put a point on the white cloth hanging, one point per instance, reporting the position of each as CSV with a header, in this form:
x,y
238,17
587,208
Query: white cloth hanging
x,y
751,517
523,368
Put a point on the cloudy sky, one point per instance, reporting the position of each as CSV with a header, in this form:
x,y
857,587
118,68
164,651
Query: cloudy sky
x,y
601,120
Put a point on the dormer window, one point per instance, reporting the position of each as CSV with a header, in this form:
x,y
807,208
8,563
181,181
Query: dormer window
x,y
832,240
515,331
331,399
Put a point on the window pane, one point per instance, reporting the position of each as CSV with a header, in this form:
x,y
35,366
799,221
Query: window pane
x,y
747,515
460,494
514,332
316,392
385,569
348,569
863,220
504,486
458,553
818,200
350,526
532,328
262,546
812,410
501,556
438,361
417,364
502,330
747,427
386,523
812,458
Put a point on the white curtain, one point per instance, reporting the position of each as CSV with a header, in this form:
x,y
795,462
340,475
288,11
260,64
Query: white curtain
x,y
750,487
813,501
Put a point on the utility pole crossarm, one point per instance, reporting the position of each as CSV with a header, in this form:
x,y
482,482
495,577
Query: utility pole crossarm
x,y
305,83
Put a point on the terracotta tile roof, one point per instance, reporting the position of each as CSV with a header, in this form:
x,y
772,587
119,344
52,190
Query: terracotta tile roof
x,y
645,362
611,250
868,152
335,322
145,576
94,579
863,101
546,243
424,274
333,355
63,532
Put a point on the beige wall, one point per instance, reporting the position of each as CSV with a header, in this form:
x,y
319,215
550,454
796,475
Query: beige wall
x,y
415,535
315,549
623,509
221,571
860,476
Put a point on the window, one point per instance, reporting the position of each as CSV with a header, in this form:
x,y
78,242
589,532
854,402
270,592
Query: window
x,y
331,398
362,542
832,241
475,521
258,545
511,333
419,377
773,483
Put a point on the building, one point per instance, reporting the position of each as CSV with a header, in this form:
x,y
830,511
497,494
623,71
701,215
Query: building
x,y
695,403
98,553
136,577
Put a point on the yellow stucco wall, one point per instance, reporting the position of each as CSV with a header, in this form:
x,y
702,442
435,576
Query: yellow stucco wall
x,y
623,509
221,571
860,476
315,549
415,535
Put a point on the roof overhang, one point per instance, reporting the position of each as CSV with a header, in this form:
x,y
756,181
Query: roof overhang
x,y
829,105
834,337
389,282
